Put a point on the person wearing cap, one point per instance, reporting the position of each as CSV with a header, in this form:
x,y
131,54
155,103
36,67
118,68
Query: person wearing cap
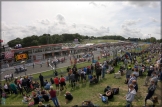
x,y
148,76
53,96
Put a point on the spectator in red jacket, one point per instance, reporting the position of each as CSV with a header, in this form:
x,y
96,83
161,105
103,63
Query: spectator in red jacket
x,y
53,96
62,83
56,81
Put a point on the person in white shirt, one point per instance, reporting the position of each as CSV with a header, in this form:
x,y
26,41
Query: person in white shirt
x,y
6,88
21,79
10,76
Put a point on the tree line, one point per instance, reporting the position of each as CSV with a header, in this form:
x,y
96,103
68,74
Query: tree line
x,y
35,40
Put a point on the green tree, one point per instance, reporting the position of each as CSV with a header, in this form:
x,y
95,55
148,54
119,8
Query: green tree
x,y
34,43
152,39
13,43
43,39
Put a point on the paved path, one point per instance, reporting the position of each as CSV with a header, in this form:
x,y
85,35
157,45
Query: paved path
x,y
38,69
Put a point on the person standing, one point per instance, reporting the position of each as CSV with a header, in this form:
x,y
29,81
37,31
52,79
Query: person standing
x,y
98,71
20,88
148,75
125,63
53,96
62,83
56,81
40,63
92,69
151,90
130,95
41,78
72,80
11,76
33,64
103,70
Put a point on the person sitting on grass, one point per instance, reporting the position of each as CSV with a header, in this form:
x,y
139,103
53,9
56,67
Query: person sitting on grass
x,y
108,94
41,104
47,86
68,97
94,80
26,99
87,104
45,82
33,93
36,101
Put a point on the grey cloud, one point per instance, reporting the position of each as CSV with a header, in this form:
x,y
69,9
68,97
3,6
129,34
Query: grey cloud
x,y
108,29
64,31
144,3
131,22
103,5
24,31
31,27
60,19
153,19
44,21
93,3
131,32
126,27
157,31
5,27
102,27
74,25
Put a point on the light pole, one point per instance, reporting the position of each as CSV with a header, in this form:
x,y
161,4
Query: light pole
x,y
149,37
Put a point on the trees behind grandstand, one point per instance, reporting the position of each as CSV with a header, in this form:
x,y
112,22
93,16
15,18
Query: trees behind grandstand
x,y
35,40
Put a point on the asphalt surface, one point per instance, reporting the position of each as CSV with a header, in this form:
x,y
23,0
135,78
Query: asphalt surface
x,y
38,69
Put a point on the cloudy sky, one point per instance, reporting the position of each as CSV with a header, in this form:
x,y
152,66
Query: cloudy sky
x,y
128,19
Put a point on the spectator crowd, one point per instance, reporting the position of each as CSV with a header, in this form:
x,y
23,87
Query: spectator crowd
x,y
37,92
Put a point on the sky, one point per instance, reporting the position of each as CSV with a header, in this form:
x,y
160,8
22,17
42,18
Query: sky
x,y
135,19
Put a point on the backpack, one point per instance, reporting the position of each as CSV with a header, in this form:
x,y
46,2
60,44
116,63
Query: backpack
x,y
107,88
104,99
115,91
